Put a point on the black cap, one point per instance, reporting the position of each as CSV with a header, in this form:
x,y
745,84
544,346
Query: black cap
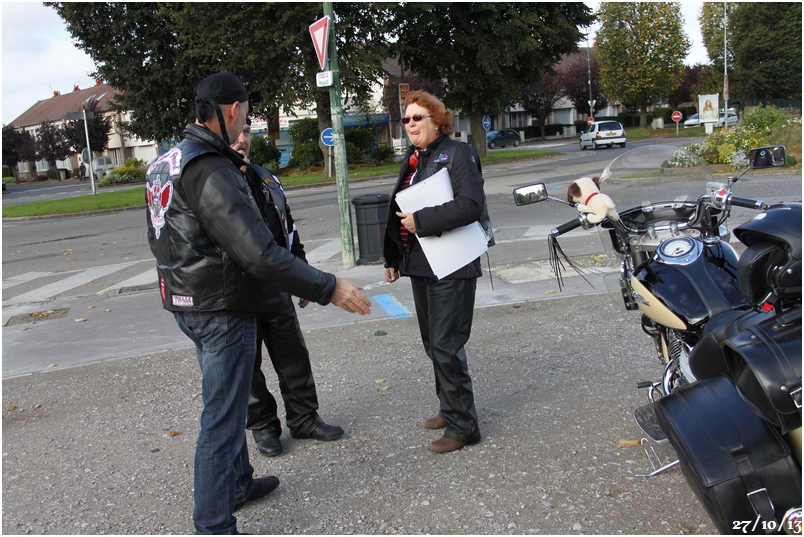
x,y
220,88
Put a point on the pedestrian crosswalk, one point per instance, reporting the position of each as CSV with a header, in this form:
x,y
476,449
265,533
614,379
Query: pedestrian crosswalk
x,y
39,287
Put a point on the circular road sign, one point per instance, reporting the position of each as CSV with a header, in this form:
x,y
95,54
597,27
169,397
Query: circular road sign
x,y
590,120
486,122
676,116
327,137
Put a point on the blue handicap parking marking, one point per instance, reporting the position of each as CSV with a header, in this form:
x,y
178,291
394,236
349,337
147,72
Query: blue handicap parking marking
x,y
392,307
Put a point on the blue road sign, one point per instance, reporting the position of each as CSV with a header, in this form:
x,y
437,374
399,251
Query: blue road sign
x,y
327,137
486,122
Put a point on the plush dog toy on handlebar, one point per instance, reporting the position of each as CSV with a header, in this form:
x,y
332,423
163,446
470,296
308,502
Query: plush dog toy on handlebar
x,y
585,192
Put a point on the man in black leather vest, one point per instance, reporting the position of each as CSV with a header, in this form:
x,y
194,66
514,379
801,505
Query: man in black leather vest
x,y
213,249
279,329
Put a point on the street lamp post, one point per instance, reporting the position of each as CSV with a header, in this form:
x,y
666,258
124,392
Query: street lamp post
x,y
725,68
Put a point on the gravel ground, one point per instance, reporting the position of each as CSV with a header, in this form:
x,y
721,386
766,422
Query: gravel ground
x,y
108,447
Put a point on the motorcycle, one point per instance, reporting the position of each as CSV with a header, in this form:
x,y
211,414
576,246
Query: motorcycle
x,y
698,298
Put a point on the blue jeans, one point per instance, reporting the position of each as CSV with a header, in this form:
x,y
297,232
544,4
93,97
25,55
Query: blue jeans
x,y
225,346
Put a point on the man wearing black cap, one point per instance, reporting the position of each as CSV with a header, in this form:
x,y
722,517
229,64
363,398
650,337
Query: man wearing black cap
x,y
279,328
213,249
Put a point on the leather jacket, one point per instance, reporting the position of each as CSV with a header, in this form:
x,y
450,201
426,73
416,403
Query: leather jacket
x,y
270,197
211,244
467,207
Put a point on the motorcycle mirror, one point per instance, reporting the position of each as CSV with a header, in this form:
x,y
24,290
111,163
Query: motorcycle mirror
x,y
766,157
525,195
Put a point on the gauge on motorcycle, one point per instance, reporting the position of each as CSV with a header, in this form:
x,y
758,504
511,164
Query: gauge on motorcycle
x,y
678,250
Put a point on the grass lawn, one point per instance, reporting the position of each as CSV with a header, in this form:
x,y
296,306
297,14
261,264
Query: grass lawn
x,y
135,197
118,199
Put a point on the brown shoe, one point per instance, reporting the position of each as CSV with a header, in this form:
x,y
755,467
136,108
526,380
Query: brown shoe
x,y
445,445
436,422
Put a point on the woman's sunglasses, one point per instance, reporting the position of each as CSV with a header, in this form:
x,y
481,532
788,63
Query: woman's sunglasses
x,y
415,117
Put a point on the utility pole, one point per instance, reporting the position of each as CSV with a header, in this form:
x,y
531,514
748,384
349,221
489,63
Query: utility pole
x,y
341,170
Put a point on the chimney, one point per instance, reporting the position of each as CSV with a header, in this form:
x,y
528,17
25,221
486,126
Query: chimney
x,y
76,88
98,81
56,93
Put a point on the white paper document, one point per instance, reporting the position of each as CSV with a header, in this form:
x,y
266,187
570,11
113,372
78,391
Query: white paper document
x,y
453,249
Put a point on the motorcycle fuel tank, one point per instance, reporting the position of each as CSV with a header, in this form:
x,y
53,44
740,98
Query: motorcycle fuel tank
x,y
688,282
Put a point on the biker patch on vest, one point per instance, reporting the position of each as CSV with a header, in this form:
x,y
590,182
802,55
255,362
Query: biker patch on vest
x,y
173,157
182,301
159,198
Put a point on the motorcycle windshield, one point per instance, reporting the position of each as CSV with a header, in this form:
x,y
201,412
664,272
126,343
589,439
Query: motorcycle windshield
x,y
663,183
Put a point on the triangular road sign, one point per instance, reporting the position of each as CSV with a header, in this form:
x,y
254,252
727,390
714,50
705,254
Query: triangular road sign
x,y
319,31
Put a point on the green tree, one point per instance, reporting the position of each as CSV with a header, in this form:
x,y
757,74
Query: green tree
x,y
706,81
52,144
576,85
641,48
539,99
767,50
486,51
99,128
18,146
390,93
156,53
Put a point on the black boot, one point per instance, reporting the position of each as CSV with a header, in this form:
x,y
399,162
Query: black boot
x,y
318,430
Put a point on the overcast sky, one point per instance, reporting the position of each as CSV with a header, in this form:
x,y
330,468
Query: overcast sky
x,y
40,58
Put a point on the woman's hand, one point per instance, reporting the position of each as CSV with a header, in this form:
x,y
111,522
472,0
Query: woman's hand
x,y
391,275
407,221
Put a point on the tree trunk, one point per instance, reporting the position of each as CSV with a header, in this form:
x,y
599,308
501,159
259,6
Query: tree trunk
x,y
478,137
643,117
324,113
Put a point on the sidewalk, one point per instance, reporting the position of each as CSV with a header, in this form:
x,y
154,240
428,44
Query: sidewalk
x,y
107,447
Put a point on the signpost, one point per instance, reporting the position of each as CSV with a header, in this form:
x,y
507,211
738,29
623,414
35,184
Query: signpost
x,y
328,139
324,44
486,122
676,117
84,116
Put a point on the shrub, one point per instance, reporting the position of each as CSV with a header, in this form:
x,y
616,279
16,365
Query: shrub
x,y
354,155
124,175
7,171
764,126
765,118
134,163
306,155
382,154
362,138
263,151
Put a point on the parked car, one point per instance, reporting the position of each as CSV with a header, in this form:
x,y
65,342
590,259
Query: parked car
x,y
102,165
693,121
503,137
729,118
602,133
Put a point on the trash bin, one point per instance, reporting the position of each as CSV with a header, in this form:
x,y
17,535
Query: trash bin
x,y
371,215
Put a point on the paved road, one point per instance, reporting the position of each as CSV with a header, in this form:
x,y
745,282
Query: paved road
x,y
100,416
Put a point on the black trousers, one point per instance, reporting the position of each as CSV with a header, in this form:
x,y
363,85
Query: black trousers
x,y
283,338
444,310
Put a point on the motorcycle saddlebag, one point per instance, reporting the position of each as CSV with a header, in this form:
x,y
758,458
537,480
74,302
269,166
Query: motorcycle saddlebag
x,y
738,466
764,363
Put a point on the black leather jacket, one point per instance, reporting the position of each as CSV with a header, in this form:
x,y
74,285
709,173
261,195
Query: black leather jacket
x,y
212,246
467,207
270,197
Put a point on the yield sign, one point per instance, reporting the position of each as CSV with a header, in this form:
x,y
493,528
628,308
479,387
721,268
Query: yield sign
x,y
318,31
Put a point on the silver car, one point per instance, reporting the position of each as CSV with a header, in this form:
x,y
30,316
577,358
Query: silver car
x,y
603,133
727,118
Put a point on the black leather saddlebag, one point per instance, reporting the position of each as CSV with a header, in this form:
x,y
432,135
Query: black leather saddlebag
x,y
765,364
736,464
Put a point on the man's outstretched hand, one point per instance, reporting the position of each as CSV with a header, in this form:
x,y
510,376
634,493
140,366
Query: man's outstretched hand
x,y
347,296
